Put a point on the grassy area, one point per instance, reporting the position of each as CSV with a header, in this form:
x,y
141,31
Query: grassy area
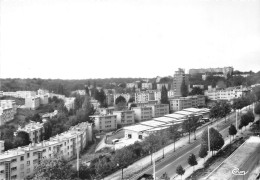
x,y
217,159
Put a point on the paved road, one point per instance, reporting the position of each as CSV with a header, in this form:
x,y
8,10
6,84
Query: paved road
x,y
180,156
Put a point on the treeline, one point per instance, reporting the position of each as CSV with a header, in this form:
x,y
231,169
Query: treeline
x,y
59,86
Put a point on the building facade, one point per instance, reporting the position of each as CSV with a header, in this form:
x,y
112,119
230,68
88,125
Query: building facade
x,y
177,104
132,85
32,102
159,110
178,78
142,113
21,162
127,96
147,85
104,122
125,117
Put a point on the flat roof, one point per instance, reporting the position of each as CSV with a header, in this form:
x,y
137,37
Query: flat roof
x,y
176,116
193,110
165,119
157,129
138,128
184,112
153,123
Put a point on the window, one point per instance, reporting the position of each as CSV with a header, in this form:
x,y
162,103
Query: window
x,y
28,163
1,172
13,168
21,158
14,177
34,153
14,160
44,150
129,136
28,155
49,148
35,161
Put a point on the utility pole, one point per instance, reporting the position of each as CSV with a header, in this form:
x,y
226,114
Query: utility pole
x,y
208,140
236,119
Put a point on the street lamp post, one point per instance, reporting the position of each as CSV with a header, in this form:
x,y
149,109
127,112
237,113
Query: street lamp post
x,y
122,170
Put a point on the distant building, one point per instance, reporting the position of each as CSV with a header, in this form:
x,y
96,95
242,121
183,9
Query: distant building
x,y
159,110
50,115
226,94
159,86
20,94
94,103
69,103
178,78
42,91
105,111
198,86
32,102
147,85
8,109
125,117
144,96
224,70
110,99
104,122
142,113
177,104
35,131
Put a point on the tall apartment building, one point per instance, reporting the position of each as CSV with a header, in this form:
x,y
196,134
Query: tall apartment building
x,y
110,99
21,162
142,113
159,110
35,131
177,104
104,122
178,78
226,94
125,117
32,102
132,85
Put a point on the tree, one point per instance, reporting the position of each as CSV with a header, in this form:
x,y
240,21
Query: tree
x,y
47,130
131,100
203,152
22,138
257,109
216,139
187,126
53,168
102,98
180,170
232,131
120,99
164,139
192,161
184,89
173,133
196,91
165,176
164,95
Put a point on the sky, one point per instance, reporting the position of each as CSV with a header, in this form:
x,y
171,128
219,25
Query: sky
x,y
81,39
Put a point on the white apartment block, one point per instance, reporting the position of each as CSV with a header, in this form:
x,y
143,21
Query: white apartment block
x,y
20,94
142,113
44,99
127,96
159,110
69,103
145,96
32,102
125,117
105,111
42,91
132,85
147,85
35,131
177,104
8,109
159,86
104,122
19,163
226,94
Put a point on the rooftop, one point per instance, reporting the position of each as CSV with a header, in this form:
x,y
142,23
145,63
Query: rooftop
x,y
138,128
153,123
166,119
175,116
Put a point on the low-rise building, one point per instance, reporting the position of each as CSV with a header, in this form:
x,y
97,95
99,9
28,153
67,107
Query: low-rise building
x,y
44,99
147,85
108,110
142,113
42,91
132,85
6,114
226,94
35,131
177,104
104,122
125,117
21,162
32,102
159,110
95,103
